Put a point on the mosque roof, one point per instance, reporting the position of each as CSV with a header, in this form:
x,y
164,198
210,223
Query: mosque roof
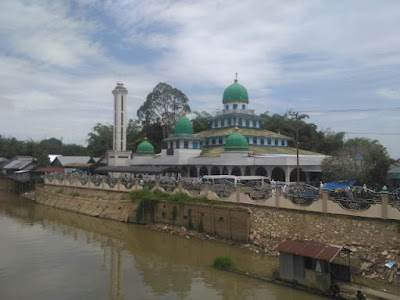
x,y
183,125
145,148
243,131
257,150
235,93
236,142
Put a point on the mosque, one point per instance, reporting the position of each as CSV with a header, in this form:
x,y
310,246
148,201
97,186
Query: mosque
x,y
234,145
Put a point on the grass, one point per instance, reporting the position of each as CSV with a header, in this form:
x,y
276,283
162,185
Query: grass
x,y
148,195
74,194
223,262
60,191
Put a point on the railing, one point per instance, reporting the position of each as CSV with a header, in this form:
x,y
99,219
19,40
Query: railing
x,y
301,194
352,201
355,198
394,198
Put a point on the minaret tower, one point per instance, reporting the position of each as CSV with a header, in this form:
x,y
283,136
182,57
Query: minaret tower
x,y
120,115
119,154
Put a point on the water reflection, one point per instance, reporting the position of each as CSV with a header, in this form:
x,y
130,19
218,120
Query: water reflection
x,y
70,256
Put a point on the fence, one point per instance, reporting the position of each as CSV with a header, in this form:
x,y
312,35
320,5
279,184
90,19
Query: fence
x,y
355,201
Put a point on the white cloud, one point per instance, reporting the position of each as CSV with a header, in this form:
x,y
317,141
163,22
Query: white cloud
x,y
389,93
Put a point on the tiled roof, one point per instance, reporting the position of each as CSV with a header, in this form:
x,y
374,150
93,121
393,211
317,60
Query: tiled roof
x,y
243,131
257,150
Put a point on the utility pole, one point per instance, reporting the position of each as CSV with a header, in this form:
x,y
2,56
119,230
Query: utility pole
x,y
296,115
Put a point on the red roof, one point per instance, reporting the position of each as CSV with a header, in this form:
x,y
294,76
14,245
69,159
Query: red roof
x,y
49,170
309,249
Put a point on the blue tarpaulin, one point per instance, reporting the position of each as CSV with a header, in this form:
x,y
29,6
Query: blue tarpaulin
x,y
339,184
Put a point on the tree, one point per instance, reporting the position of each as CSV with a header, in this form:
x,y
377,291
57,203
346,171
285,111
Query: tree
x,y
163,106
310,138
361,159
201,121
100,140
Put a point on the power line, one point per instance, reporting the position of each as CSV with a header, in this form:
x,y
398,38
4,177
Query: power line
x,y
378,133
350,110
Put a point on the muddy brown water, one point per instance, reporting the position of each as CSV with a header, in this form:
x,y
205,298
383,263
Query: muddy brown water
x,y
46,253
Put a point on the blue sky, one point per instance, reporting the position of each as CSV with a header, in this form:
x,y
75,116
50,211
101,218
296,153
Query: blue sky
x,y
60,60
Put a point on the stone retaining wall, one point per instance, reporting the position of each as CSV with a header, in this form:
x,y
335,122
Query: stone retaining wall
x,y
225,221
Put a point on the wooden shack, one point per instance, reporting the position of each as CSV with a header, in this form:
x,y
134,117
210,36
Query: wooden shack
x,y
309,263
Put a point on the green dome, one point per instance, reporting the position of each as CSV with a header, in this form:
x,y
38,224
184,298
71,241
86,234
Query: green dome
x,y
236,142
183,125
235,92
145,148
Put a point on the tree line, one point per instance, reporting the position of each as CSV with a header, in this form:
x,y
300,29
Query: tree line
x,y
165,104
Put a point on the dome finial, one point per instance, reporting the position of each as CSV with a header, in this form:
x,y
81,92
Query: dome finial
x,y
145,137
236,129
183,112
236,80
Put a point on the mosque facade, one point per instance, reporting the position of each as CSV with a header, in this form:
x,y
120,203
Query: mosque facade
x,y
235,144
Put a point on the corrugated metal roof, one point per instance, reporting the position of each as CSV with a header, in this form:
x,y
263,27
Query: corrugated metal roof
x,y
49,170
64,160
17,164
309,249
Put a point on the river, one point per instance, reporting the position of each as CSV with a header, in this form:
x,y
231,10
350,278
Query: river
x,y
47,253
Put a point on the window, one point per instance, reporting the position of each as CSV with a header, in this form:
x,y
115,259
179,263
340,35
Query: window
x,y
213,141
269,141
240,122
262,141
243,107
247,140
247,123
207,142
227,107
229,122
185,144
177,145
254,123
171,144
235,106
254,141
223,123
276,142
220,141
195,145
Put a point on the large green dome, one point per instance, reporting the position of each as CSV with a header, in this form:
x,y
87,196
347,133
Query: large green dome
x,y
236,142
183,125
235,92
145,148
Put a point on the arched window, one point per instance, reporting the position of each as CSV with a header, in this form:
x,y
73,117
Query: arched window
x,y
240,122
247,123
227,107
243,107
235,106
254,140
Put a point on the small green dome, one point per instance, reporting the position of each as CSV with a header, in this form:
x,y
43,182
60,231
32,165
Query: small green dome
x,y
145,148
183,125
235,92
236,142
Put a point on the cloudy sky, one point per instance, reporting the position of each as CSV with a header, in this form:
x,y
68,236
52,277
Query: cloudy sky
x,y
60,60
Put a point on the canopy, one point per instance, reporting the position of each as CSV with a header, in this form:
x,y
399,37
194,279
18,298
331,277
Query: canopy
x,y
339,184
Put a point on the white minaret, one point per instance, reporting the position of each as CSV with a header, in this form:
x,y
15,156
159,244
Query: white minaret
x,y
118,156
120,116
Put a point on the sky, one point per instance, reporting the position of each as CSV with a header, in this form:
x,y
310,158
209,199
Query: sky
x,y
60,60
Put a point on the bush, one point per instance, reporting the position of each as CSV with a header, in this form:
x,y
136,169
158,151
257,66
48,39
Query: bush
x,y
60,191
223,262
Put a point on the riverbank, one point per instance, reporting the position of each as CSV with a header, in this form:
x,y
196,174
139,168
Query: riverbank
x,y
271,226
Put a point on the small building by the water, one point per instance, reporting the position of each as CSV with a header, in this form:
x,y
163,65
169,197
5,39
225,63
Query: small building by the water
x,y
309,263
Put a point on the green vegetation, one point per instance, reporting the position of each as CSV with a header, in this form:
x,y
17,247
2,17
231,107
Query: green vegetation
x,y
74,194
361,159
148,195
60,191
223,262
